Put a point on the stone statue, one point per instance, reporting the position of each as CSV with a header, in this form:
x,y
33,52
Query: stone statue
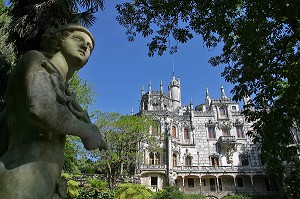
x,y
40,111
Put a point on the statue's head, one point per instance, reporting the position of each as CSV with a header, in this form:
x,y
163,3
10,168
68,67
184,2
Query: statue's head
x,y
53,38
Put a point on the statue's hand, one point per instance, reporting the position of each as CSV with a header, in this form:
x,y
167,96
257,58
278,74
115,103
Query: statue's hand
x,y
94,140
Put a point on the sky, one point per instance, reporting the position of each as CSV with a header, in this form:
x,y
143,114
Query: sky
x,y
118,69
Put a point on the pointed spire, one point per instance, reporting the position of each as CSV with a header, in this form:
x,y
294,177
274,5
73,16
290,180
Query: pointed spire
x,y
223,95
161,87
149,87
207,93
173,68
191,104
143,90
132,111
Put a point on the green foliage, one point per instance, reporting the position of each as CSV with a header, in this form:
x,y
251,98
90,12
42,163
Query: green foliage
x,y
7,52
261,53
84,90
169,193
73,187
122,134
194,196
32,18
96,189
132,191
76,157
255,196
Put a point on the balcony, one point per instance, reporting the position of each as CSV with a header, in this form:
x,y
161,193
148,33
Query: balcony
x,y
227,139
153,167
219,169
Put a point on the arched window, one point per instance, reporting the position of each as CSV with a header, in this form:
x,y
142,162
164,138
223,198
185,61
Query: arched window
x,y
151,158
188,161
222,111
214,160
174,160
226,132
157,158
211,132
186,134
239,131
155,128
174,131
244,159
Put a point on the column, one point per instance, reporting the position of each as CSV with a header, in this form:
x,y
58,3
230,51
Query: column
x,y
251,178
200,184
217,181
183,183
234,180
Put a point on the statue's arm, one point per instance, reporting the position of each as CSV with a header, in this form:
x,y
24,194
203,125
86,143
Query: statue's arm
x,y
47,113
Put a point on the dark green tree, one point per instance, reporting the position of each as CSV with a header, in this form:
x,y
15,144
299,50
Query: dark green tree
x,y
7,52
261,53
30,18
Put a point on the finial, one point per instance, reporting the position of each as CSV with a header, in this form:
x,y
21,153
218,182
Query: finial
x,y
149,87
132,111
173,68
223,96
161,86
207,93
143,90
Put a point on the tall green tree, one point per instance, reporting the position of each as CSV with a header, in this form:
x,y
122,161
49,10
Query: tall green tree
x,y
123,135
261,53
7,52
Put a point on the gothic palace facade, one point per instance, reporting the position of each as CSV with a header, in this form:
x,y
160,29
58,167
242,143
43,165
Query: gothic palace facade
x,y
203,149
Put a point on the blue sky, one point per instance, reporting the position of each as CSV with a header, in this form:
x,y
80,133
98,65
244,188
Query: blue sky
x,y
118,68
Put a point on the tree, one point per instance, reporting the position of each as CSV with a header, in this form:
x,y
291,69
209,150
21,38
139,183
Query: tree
x,y
76,157
7,55
261,53
30,18
123,135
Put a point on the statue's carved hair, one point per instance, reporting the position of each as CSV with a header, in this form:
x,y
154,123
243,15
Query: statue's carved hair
x,y
53,37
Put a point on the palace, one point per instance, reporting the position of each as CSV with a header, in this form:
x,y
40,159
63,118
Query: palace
x,y
203,149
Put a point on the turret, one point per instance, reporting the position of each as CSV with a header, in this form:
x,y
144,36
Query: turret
x,y
223,95
175,94
161,87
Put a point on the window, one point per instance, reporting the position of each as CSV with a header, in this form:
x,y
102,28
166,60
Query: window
x,y
211,132
222,111
214,160
261,160
225,132
267,183
188,161
203,182
244,160
157,158
174,131
155,130
153,181
234,108
191,182
186,134
174,160
239,132
151,158
240,182
154,158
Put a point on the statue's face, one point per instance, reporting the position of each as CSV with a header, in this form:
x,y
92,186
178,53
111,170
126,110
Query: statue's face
x,y
76,48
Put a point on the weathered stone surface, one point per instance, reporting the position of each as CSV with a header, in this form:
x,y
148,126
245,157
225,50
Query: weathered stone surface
x,y
41,111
